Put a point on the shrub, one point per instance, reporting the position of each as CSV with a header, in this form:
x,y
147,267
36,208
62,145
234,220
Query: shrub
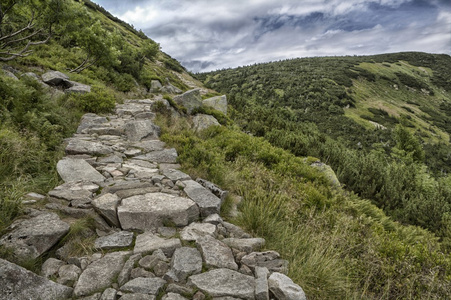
x,y
99,100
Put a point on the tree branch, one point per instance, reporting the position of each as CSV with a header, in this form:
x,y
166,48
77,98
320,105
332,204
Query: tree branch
x,y
30,25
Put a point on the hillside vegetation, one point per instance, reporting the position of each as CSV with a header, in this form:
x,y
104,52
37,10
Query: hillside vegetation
x,y
340,246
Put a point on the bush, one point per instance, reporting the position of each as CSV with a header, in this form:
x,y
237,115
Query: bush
x,y
99,100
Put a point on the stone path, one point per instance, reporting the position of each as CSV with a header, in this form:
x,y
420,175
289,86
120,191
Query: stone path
x,y
159,233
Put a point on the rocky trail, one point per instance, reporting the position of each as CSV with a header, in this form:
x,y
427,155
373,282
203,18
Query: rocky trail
x,y
158,232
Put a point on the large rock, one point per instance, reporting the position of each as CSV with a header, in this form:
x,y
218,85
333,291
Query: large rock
x,y
219,103
284,288
190,100
17,283
77,146
202,122
150,211
54,78
71,169
216,254
149,242
175,175
163,156
197,230
116,240
124,275
78,88
185,262
142,285
90,120
261,283
106,206
328,173
208,203
138,130
100,274
155,86
223,283
34,236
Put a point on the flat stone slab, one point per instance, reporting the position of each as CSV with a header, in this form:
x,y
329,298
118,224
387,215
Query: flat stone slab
x,y
106,206
216,254
223,283
138,130
219,103
151,286
32,237
54,77
78,146
208,203
196,230
19,283
90,120
185,262
116,240
175,175
245,245
163,156
71,169
152,210
100,274
284,288
148,242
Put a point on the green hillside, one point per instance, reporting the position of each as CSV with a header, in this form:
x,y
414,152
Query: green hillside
x,y
283,115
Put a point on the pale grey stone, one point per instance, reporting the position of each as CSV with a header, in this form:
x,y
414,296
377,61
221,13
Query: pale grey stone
x,y
190,100
137,296
150,211
106,206
245,270
150,261
125,273
141,285
78,146
116,240
269,259
161,268
141,272
162,156
216,254
207,202
261,283
235,231
132,152
148,146
155,86
95,296
195,230
141,129
19,283
110,159
245,245
214,219
32,237
78,88
173,296
10,74
71,195
202,121
125,185
149,242
134,192
284,288
219,103
185,262
90,120
216,190
109,294
328,173
51,266
175,175
35,196
167,231
100,274
54,77
179,289
224,282
68,274
77,169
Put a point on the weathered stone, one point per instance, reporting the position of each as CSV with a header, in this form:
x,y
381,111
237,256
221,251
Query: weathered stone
x,y
175,175
169,88
148,146
78,88
71,195
161,268
155,86
100,274
150,286
150,261
50,267
149,242
190,100
167,231
19,283
162,156
116,240
284,288
54,78
246,245
199,296
134,192
173,296
106,206
179,289
216,254
110,159
185,262
207,202
261,283
125,185
235,231
125,274
109,294
141,129
132,152
150,211
95,296
141,272
196,230
77,169
78,146
10,74
224,282
269,259
219,103
68,275
202,121
32,237
328,172
218,192
137,296
90,120
214,219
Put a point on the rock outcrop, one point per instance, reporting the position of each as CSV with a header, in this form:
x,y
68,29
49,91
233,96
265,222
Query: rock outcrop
x,y
158,231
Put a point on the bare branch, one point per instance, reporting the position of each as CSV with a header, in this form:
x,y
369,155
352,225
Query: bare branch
x,y
30,25
22,39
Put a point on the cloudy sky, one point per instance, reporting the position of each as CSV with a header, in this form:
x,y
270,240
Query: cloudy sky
x,y
213,34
